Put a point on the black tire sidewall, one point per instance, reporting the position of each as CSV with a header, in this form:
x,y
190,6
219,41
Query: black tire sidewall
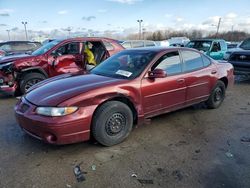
x,y
102,115
27,77
211,102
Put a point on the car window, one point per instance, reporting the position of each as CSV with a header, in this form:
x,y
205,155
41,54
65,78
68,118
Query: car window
x,y
200,45
206,60
127,45
6,47
245,44
31,46
108,46
70,48
149,43
137,44
169,62
223,46
192,60
19,46
216,47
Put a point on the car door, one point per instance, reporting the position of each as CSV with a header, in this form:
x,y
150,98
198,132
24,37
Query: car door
x,y
66,59
198,75
160,95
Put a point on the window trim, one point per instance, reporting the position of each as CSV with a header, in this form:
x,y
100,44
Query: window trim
x,y
181,62
203,55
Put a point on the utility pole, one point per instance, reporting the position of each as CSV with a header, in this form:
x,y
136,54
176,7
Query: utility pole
x,y
232,32
218,27
8,33
143,33
25,23
68,29
139,21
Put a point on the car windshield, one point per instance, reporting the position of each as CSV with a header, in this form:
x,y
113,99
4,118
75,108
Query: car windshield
x,y
125,65
200,45
45,47
245,44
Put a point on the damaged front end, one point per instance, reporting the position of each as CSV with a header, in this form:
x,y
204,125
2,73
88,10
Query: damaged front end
x,y
7,77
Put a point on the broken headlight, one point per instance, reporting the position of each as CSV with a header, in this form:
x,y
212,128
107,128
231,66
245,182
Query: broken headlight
x,y
6,67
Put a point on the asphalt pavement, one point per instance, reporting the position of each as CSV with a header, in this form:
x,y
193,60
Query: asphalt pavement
x,y
192,147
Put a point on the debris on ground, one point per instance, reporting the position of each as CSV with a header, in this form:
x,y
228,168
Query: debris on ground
x,y
197,151
134,175
68,186
79,174
245,139
93,167
145,181
177,174
181,143
229,155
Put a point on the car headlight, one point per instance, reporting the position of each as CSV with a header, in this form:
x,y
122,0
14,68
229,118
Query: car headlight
x,y
5,65
55,111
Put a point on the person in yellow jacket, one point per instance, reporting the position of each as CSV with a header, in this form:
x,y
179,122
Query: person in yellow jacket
x,y
91,63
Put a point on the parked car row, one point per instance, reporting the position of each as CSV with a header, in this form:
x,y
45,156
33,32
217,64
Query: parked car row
x,y
64,103
18,47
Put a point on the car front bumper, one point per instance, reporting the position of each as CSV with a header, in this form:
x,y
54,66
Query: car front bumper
x,y
54,130
4,80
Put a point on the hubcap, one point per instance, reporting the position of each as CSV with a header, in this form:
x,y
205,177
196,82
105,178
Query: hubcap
x,y
30,83
115,124
218,94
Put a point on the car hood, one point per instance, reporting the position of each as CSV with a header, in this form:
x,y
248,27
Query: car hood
x,y
9,58
63,88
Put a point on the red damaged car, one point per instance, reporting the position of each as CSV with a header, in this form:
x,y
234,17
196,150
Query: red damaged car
x,y
18,73
124,90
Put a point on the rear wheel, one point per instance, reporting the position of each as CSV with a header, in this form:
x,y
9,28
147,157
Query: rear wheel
x,y
29,80
112,123
217,96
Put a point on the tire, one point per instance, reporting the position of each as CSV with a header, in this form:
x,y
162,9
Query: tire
x,y
217,96
29,80
112,123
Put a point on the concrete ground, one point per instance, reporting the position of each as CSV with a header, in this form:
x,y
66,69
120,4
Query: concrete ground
x,y
193,147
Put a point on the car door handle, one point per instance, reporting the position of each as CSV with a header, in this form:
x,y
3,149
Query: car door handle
x,y
180,81
213,72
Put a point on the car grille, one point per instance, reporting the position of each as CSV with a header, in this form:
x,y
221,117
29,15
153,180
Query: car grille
x,y
240,57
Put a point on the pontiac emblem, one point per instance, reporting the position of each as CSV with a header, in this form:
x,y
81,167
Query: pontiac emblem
x,y
243,57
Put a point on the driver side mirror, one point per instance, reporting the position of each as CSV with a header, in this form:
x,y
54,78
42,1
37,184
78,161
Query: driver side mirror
x,y
157,73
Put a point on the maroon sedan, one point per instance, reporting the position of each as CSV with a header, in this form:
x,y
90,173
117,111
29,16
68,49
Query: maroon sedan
x,y
124,90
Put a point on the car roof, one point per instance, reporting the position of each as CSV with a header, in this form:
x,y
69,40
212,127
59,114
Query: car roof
x,y
138,41
159,49
207,40
87,38
16,41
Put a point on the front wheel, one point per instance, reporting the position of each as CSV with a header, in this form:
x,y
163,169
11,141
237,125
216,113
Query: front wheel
x,y
112,123
29,80
217,96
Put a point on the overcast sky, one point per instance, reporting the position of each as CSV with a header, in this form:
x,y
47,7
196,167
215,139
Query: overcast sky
x,y
120,16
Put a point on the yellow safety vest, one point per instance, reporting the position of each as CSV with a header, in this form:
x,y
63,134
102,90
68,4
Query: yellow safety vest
x,y
90,56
